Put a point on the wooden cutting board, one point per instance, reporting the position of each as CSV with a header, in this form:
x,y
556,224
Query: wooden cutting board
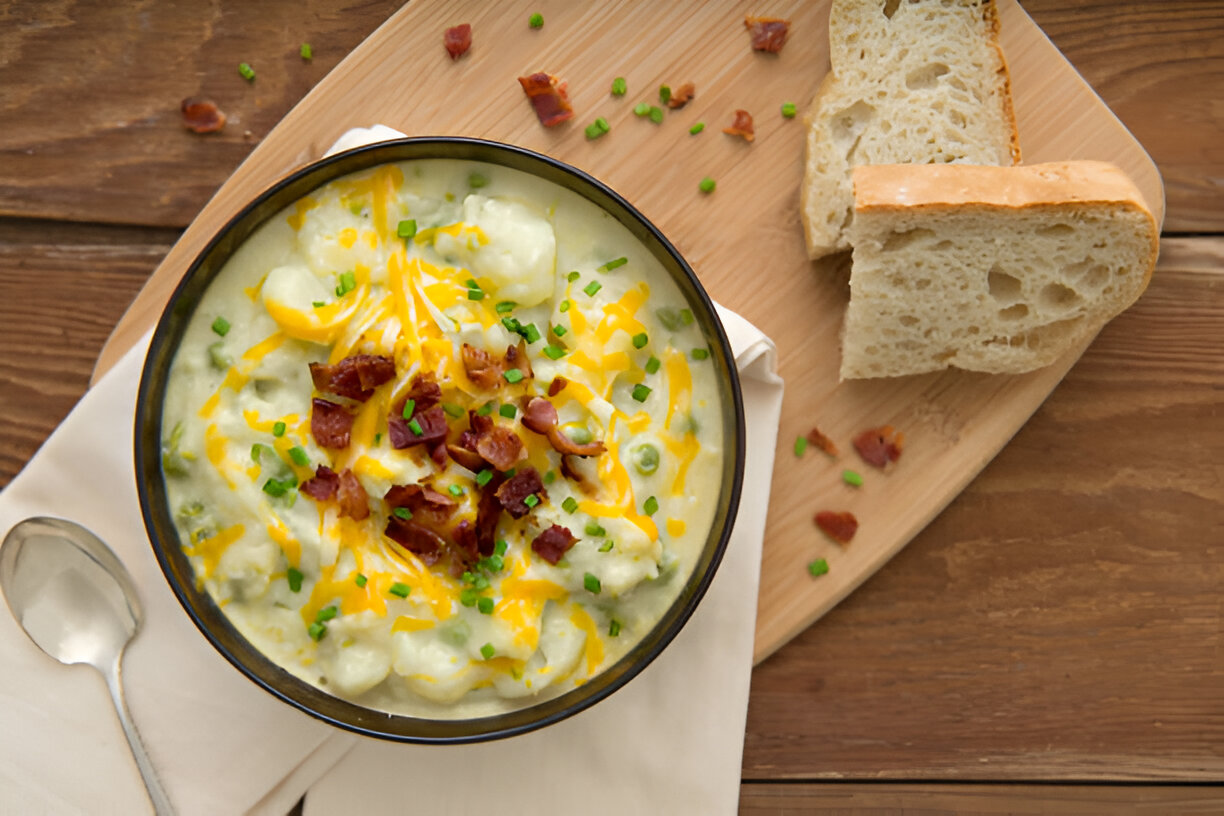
x,y
745,240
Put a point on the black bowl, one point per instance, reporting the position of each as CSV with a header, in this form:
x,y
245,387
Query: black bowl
x,y
214,623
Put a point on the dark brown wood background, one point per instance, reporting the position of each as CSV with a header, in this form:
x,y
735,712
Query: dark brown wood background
x,y
1061,622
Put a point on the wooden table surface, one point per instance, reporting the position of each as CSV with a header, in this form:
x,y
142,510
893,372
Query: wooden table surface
x,y
1052,643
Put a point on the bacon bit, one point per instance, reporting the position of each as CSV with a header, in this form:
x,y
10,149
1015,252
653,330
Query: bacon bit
x,y
553,543
481,369
500,447
514,490
422,500
548,97
421,541
353,377
557,386
840,527
768,33
463,456
433,429
464,538
424,391
570,471
323,485
516,357
354,502
330,424
742,126
682,95
458,40
202,115
818,439
488,513
541,416
879,446
438,454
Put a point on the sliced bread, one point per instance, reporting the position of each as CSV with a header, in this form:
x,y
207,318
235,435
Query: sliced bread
x,y
912,82
997,269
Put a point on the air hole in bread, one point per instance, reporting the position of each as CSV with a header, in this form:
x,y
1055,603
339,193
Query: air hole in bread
x,y
890,8
849,124
1057,296
901,240
907,320
1056,230
1014,312
942,245
1003,287
925,77
922,283
1085,273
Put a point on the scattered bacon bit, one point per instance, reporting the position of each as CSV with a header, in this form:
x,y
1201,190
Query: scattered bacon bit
x,y
682,95
541,416
488,513
465,457
818,439
500,447
879,446
354,377
840,527
464,538
517,488
553,543
354,502
458,40
323,485
330,424
516,357
768,33
548,97
742,126
556,386
421,500
481,368
202,115
423,542
424,391
433,429
438,453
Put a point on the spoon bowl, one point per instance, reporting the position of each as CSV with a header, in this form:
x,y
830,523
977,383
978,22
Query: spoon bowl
x,y
77,602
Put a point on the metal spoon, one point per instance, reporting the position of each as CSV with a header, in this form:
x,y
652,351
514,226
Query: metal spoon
x,y
76,600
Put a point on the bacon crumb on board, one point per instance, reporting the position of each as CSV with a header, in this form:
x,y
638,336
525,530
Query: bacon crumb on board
x,y
840,527
682,95
742,126
818,439
768,33
458,40
548,98
202,115
879,446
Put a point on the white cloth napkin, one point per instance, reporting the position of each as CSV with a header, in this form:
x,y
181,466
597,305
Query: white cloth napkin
x,y
670,741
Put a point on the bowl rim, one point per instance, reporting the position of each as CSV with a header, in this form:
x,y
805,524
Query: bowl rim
x,y
215,625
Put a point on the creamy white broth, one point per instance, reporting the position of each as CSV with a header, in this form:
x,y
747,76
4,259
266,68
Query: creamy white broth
x,y
334,600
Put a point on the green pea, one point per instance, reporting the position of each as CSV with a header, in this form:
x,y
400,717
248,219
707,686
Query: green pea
x,y
646,459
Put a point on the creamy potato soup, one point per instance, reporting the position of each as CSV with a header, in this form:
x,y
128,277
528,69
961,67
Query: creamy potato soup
x,y
443,439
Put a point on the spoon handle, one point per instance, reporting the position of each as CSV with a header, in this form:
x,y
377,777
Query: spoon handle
x,y
161,802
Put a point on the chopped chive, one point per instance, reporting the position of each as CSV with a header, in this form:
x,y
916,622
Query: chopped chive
x,y
536,20
484,477
326,614
299,456
511,324
306,52
487,651
532,500
455,490
607,546
614,628
279,487
619,86
406,228
403,513
652,365
476,181
494,563
707,185
400,589
257,450
409,408
485,605
217,356
360,581
485,409
278,429
554,352
513,375
651,506
788,110
800,445
468,597
415,427
640,340
564,307
602,124
452,410
656,114
570,504
246,71
686,317
852,478
316,631
615,263
480,583
475,293
641,109
507,410
592,287
318,304
348,282
593,529
295,579
697,128
818,567
505,306
550,477
664,93
221,326
377,438
559,330
590,583
594,131
500,547
530,333
573,276
701,354
669,317
641,392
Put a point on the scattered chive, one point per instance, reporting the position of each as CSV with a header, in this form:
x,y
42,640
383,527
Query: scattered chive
x,y
593,131
511,324
348,282
641,392
468,597
507,410
651,506
221,326
532,500
818,567
499,549
573,276
475,293
788,110
360,581
476,181
400,589
707,185
614,628
590,583
246,71
550,477
554,352
652,365
656,114
485,409
403,513
487,651
800,445
494,562
295,579
536,20
484,477
409,408
513,375
485,605
415,427
306,52
619,86
596,531
505,306
697,128
686,317
452,410
509,474
278,429
559,330
640,340
299,456
455,490
701,354
664,93
570,504
852,478
318,304
326,614
607,546
592,287
669,317
564,307
278,487
613,264
641,109
316,631
377,438
480,583
530,333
